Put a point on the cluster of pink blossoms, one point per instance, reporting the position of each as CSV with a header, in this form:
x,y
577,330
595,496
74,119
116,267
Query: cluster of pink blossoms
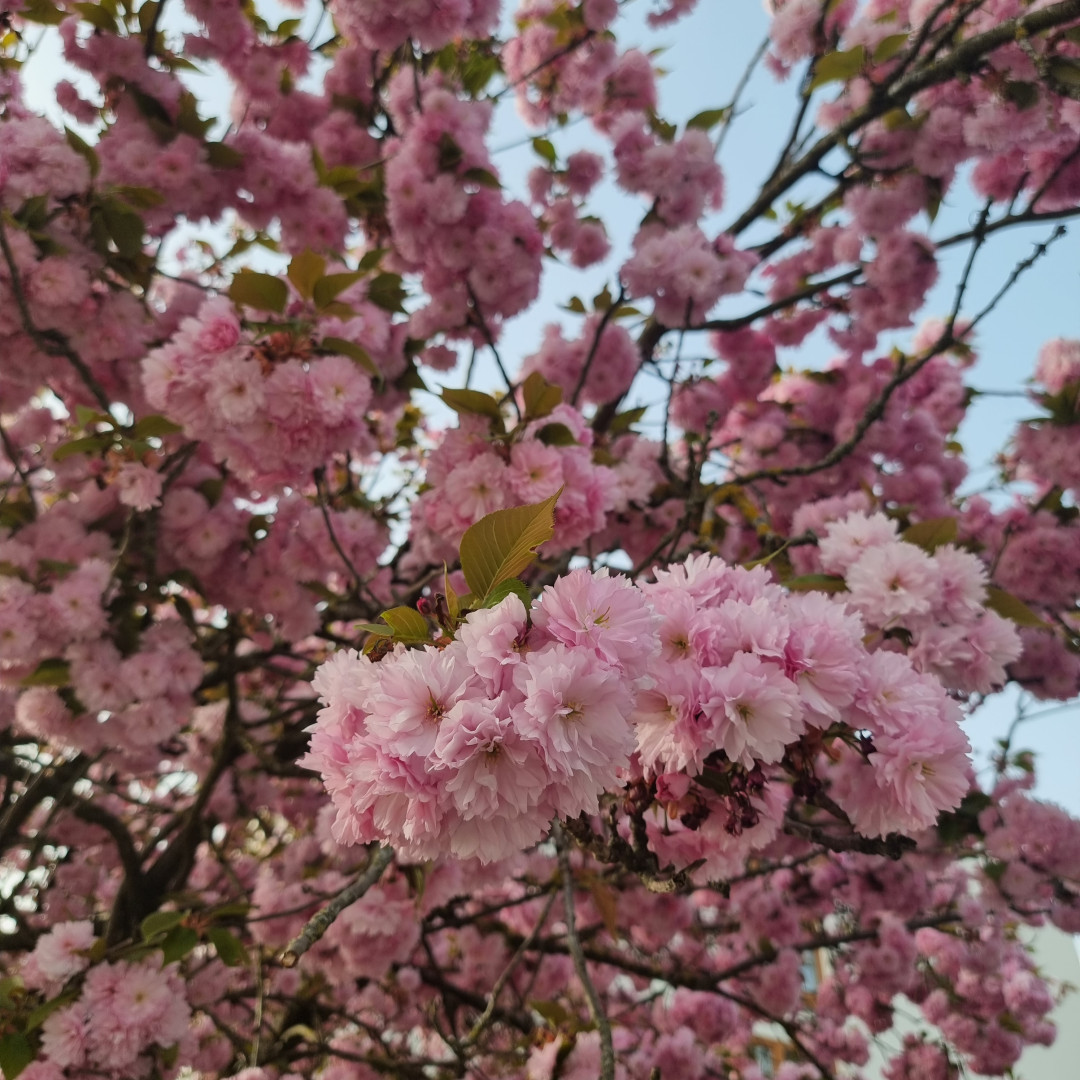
x,y
474,747
55,592
594,77
1045,449
271,418
450,221
748,670
609,351
126,1012
471,474
710,670
937,600
684,272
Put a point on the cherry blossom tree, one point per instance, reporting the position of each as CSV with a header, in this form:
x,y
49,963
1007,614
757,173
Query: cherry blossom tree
x,y
377,703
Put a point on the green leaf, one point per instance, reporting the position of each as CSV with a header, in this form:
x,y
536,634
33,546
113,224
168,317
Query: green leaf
x,y
556,435
898,119
373,628
179,941
502,544
154,427
472,402
327,289
836,66
546,149
1024,95
87,416
407,623
262,291
1065,71
89,444
931,534
160,922
540,396
43,13
505,588
212,489
625,420
453,603
889,47
482,178
304,270
53,672
353,352
553,1013
15,1050
97,15
125,227
47,1008
142,198
1011,607
450,154
371,259
708,118
80,145
576,305
11,988
229,948
386,292
827,583
147,12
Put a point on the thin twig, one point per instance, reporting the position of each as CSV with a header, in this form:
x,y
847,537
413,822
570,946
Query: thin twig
x,y
740,88
595,347
962,59
596,1006
493,998
322,920
48,341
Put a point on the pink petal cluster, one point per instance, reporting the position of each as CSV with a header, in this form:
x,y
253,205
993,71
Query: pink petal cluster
x,y
938,599
272,417
124,1014
473,748
713,671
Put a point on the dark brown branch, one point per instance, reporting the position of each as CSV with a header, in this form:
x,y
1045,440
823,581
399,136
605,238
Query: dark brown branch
x,y
48,341
961,60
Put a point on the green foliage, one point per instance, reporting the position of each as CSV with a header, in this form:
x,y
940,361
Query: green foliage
x,y
502,544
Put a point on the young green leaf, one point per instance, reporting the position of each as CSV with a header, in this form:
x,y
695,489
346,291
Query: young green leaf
x,y
932,533
407,624
262,291
353,352
15,1054
502,544
229,948
708,118
540,396
327,289
836,66
160,922
305,270
505,588
1011,607
472,401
